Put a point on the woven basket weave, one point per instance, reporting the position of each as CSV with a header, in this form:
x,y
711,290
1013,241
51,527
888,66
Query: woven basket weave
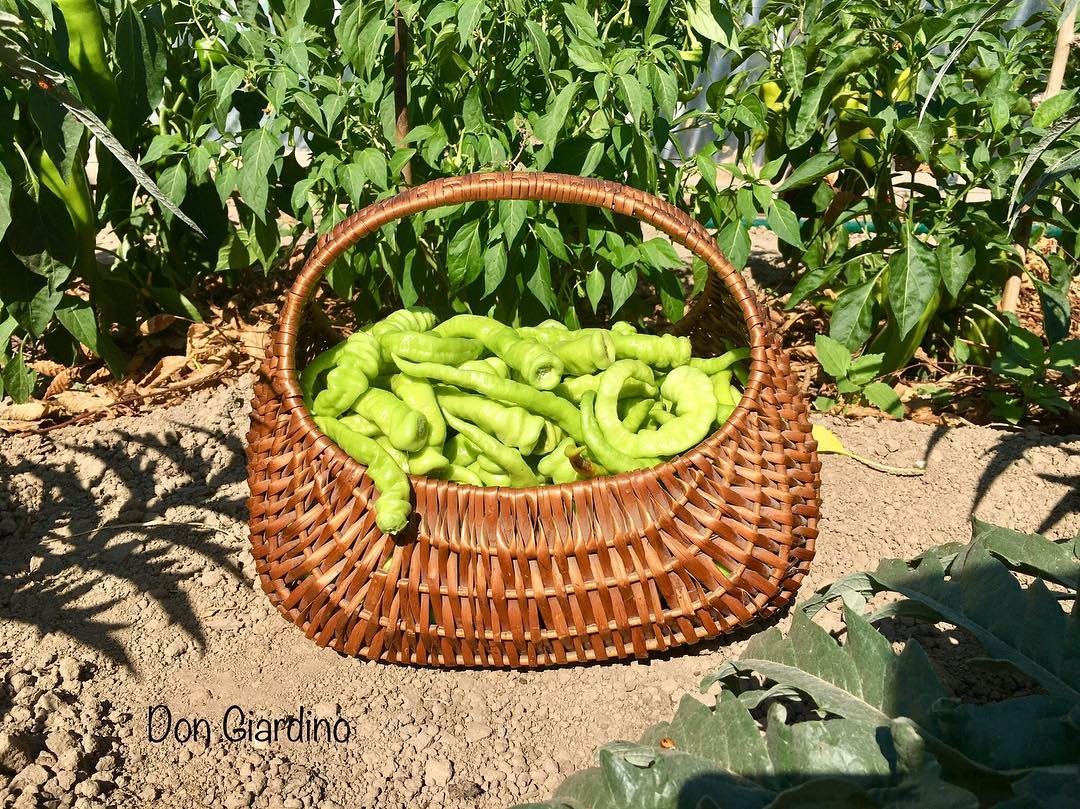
x,y
608,568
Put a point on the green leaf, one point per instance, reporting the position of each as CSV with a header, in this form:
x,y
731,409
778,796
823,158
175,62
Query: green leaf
x,y
373,163
734,242
226,81
141,62
539,282
884,398
784,223
18,379
353,180
852,315
464,261
955,264
865,368
833,356
1030,554
665,89
814,101
512,217
5,200
541,47
173,182
257,154
552,239
584,26
551,124
914,275
1021,626
712,19
468,18
77,316
28,299
622,284
594,287
494,268
633,96
1051,109
811,170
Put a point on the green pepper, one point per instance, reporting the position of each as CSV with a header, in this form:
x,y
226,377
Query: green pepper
x,y
573,388
86,53
556,464
601,448
392,506
695,409
506,457
419,395
426,347
537,365
656,350
540,402
407,429
514,426
416,319
716,364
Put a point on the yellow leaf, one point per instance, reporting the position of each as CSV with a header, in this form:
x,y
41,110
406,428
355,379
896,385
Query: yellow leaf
x,y
828,441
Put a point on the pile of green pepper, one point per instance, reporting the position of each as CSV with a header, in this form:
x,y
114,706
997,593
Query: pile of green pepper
x,y
474,401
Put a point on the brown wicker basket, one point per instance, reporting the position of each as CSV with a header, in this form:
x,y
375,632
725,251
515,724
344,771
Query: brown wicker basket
x,y
607,568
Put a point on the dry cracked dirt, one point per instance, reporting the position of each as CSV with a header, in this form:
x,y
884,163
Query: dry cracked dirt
x,y
97,627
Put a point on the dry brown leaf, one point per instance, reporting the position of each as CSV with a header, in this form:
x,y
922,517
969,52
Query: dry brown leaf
x,y
33,410
157,323
166,369
48,367
77,401
60,383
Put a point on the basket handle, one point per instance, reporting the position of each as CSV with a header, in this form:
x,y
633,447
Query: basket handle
x,y
538,186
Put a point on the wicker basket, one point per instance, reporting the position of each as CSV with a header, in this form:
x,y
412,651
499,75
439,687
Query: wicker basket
x,y
608,568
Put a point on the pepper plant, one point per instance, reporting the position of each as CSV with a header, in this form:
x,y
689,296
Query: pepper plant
x,y
884,144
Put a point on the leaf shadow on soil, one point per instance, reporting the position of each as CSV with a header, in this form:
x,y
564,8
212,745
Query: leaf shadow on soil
x,y
1009,450
69,530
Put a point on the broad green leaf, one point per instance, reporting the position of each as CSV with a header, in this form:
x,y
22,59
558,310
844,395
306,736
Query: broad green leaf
x,y
140,61
19,380
61,133
811,282
512,217
1022,626
814,100
734,242
1031,554
469,15
494,268
633,95
665,89
373,163
712,19
353,181
226,81
784,223
541,46
622,284
833,356
584,26
551,237
539,282
28,299
77,317
173,182
5,200
464,261
811,170
852,315
884,398
594,287
551,124
955,263
660,252
257,154
914,276
865,368
1051,109
793,64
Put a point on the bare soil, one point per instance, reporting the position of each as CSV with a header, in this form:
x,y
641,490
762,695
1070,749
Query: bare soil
x,y
161,608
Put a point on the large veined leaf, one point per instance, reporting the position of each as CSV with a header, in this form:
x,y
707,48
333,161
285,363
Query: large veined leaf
x,y
717,757
1031,554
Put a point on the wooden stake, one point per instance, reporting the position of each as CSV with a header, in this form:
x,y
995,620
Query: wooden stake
x,y
401,86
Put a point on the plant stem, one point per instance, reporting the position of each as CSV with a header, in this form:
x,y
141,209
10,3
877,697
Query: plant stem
x,y
401,86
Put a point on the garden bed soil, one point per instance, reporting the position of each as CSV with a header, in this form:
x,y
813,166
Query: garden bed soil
x,y
163,609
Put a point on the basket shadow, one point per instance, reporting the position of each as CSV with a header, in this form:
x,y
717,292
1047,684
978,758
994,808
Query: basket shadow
x,y
64,553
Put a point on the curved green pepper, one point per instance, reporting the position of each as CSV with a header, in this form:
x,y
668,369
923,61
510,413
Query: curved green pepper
x,y
695,409
506,457
657,350
716,364
392,506
514,426
613,459
539,366
407,429
426,347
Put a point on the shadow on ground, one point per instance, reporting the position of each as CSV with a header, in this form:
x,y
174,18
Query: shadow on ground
x,y
54,566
